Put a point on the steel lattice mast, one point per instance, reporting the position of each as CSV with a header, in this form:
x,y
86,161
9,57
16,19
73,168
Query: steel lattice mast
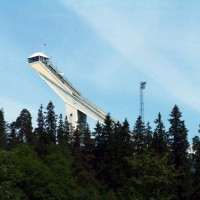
x,y
142,87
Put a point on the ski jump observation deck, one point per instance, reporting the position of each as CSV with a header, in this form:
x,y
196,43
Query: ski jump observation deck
x,y
77,107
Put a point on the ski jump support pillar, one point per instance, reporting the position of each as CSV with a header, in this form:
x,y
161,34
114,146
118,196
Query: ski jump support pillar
x,y
77,107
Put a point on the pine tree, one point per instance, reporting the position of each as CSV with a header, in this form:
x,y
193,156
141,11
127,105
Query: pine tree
x,y
76,141
68,133
24,127
108,135
148,135
84,160
126,139
118,152
196,178
179,146
123,149
104,145
64,132
178,137
40,130
122,143
3,134
160,139
76,152
50,124
99,146
88,142
60,130
98,135
139,135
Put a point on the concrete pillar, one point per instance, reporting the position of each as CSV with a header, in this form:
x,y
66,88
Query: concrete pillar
x,y
71,113
75,116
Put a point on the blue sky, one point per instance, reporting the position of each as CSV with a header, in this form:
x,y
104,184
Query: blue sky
x,y
105,48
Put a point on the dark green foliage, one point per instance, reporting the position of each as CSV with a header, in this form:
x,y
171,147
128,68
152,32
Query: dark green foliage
x,y
149,135
160,138
105,151
99,141
76,143
56,162
124,140
178,137
64,132
3,136
196,162
10,177
40,130
38,180
59,162
139,135
60,130
12,136
152,177
68,133
76,152
179,146
26,176
50,124
24,128
122,148
84,158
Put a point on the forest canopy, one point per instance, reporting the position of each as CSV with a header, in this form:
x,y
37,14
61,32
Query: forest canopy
x,y
57,161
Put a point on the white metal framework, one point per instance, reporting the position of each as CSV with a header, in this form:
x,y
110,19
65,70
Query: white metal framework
x,y
77,107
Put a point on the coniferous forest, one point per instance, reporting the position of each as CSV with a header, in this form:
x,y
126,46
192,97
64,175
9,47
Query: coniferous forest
x,y
114,162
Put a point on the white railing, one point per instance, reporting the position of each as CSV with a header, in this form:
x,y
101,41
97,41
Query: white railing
x,y
55,71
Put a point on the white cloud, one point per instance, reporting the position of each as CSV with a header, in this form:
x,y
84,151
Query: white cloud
x,y
133,41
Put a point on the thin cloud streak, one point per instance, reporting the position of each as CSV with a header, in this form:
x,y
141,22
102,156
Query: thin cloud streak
x,y
136,47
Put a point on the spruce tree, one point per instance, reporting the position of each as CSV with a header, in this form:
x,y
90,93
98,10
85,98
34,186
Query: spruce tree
x,y
108,135
179,146
40,130
160,139
98,146
68,133
64,132
60,130
50,124
3,135
139,135
76,152
76,141
123,148
178,137
125,133
118,151
84,160
148,135
98,136
88,142
196,161
104,145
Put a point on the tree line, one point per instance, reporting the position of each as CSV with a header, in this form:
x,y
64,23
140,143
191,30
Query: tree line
x,y
57,161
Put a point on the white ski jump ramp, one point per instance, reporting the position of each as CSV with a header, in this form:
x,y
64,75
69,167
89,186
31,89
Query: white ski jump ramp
x,y
77,107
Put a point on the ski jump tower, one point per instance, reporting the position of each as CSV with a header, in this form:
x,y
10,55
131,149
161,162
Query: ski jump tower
x,y
77,107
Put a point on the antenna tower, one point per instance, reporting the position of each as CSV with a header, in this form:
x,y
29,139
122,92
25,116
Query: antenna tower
x,y
142,87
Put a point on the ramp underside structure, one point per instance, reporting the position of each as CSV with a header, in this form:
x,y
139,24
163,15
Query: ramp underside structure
x,y
77,107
